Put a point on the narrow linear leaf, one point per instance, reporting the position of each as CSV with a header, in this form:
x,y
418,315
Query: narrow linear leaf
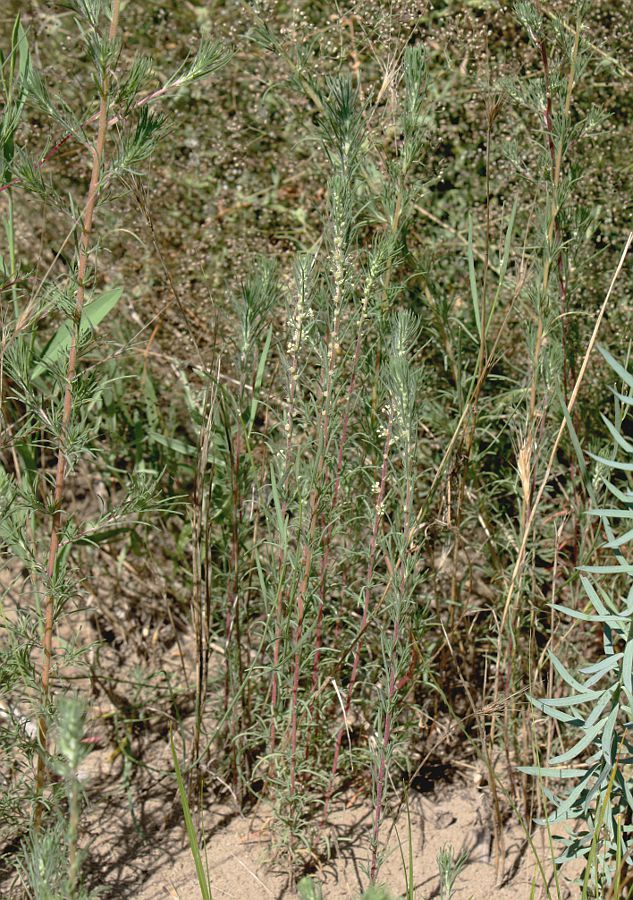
x,y
473,278
619,369
585,741
552,772
607,734
191,831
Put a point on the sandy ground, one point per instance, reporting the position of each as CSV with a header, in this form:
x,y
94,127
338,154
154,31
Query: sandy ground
x,y
141,852
136,847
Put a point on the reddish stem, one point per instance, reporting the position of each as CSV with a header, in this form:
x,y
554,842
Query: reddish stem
x,y
363,625
327,533
393,690
60,472
113,120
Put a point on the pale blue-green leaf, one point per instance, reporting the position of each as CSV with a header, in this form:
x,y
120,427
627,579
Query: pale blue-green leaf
x,y
599,707
600,783
550,796
567,806
619,541
627,667
612,463
625,787
623,398
572,699
586,617
573,852
552,772
617,367
585,741
592,593
595,758
557,713
622,496
603,665
613,512
608,665
607,735
603,604
564,673
607,570
616,435
25,60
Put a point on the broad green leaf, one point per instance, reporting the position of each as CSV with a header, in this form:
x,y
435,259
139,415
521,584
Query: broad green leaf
x,y
94,313
505,259
106,534
309,889
577,448
174,444
281,519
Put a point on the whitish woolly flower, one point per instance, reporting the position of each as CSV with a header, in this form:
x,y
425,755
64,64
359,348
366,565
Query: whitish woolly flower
x,y
301,315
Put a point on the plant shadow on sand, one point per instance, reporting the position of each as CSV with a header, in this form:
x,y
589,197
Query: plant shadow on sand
x,y
139,848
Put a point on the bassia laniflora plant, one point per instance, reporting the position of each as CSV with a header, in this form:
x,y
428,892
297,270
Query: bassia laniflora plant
x,y
345,435
52,390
